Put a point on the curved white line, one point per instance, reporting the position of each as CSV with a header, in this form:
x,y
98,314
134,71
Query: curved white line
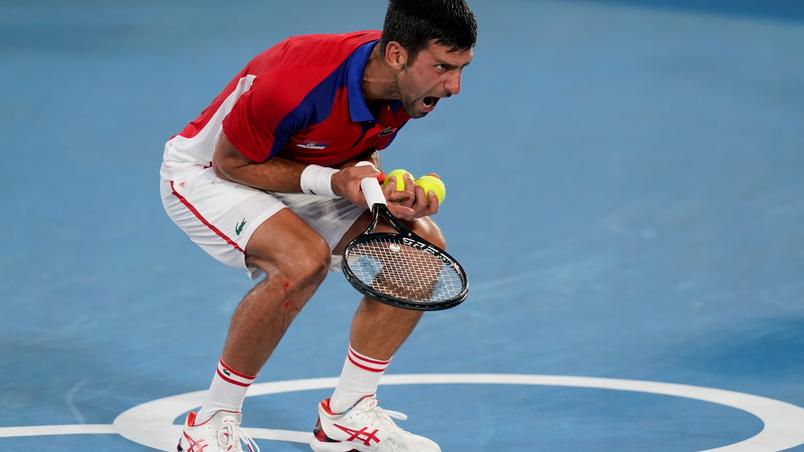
x,y
783,422
151,424
147,423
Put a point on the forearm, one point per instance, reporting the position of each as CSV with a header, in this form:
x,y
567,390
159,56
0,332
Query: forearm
x,y
285,176
277,174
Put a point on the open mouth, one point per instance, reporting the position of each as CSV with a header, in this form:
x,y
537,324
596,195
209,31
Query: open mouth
x,y
429,102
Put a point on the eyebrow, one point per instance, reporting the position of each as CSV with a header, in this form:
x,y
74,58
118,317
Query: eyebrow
x,y
451,66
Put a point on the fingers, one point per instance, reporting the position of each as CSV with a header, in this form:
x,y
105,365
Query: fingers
x,y
409,203
401,197
421,200
413,197
346,182
432,203
410,186
362,171
425,205
402,212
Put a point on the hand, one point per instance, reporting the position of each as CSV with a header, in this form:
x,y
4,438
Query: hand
x,y
412,196
404,197
346,183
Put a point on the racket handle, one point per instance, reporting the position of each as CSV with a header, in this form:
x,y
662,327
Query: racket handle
x,y
371,189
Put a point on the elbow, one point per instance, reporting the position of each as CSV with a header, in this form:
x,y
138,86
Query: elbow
x,y
224,165
224,158
220,170
228,168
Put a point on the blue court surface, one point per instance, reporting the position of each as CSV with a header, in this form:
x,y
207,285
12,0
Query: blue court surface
x,y
626,190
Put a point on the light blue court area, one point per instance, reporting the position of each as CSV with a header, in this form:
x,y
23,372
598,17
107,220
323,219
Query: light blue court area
x,y
626,191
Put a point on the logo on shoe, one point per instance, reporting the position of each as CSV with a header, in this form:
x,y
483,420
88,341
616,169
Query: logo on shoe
x,y
194,445
360,435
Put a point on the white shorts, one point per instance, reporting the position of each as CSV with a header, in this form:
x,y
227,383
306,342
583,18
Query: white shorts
x,y
220,216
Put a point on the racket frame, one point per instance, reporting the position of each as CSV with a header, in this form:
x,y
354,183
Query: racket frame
x,y
410,238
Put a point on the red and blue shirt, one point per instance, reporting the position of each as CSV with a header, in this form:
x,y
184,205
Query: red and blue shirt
x,y
302,100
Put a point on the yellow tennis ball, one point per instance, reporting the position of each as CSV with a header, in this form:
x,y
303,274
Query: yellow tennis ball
x,y
399,177
431,183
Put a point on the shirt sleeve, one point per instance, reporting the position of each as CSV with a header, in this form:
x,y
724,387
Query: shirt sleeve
x,y
263,119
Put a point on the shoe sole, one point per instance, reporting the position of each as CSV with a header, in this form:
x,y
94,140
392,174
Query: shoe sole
x,y
320,446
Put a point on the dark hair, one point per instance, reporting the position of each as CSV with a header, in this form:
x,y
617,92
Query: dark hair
x,y
414,23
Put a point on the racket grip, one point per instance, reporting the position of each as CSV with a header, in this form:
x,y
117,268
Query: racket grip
x,y
371,189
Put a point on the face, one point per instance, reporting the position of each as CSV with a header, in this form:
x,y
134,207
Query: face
x,y
434,74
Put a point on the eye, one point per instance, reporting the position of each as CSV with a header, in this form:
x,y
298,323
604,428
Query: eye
x,y
441,67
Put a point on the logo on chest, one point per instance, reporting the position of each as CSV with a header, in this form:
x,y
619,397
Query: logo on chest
x,y
315,145
386,131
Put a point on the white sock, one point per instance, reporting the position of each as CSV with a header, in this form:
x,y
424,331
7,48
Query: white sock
x,y
227,391
360,377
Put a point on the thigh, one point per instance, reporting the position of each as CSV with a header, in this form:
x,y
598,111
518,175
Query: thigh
x,y
286,244
218,215
330,218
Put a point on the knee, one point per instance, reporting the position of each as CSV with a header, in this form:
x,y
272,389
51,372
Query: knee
x,y
429,230
308,263
296,263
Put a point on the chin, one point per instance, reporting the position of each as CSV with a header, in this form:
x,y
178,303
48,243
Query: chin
x,y
414,113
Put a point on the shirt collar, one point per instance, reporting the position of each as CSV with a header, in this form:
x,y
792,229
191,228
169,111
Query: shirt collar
x,y
358,109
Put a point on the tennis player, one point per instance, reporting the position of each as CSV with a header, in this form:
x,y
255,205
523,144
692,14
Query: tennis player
x,y
264,180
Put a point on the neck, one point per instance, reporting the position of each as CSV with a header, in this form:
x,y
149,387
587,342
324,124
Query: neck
x,y
379,81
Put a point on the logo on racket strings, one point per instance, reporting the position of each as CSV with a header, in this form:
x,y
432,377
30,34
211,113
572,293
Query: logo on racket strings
x,y
422,246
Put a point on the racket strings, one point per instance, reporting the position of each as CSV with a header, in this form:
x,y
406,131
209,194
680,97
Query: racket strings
x,y
403,271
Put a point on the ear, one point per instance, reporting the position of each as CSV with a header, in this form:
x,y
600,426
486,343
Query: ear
x,y
395,55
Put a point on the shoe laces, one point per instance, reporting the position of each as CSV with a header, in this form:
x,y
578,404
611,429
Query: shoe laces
x,y
230,434
373,410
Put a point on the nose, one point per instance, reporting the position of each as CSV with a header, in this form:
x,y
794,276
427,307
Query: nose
x,y
453,84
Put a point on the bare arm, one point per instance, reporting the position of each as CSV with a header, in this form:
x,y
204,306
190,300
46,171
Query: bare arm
x,y
278,174
283,176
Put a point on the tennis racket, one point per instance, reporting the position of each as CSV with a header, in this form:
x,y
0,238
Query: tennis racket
x,y
401,268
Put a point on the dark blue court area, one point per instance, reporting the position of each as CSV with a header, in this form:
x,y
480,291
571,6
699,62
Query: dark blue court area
x,y
625,188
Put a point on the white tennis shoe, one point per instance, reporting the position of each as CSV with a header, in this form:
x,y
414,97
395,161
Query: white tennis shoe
x,y
220,433
365,428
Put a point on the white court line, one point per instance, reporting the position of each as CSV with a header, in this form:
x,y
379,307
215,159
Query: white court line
x,y
151,424
46,430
